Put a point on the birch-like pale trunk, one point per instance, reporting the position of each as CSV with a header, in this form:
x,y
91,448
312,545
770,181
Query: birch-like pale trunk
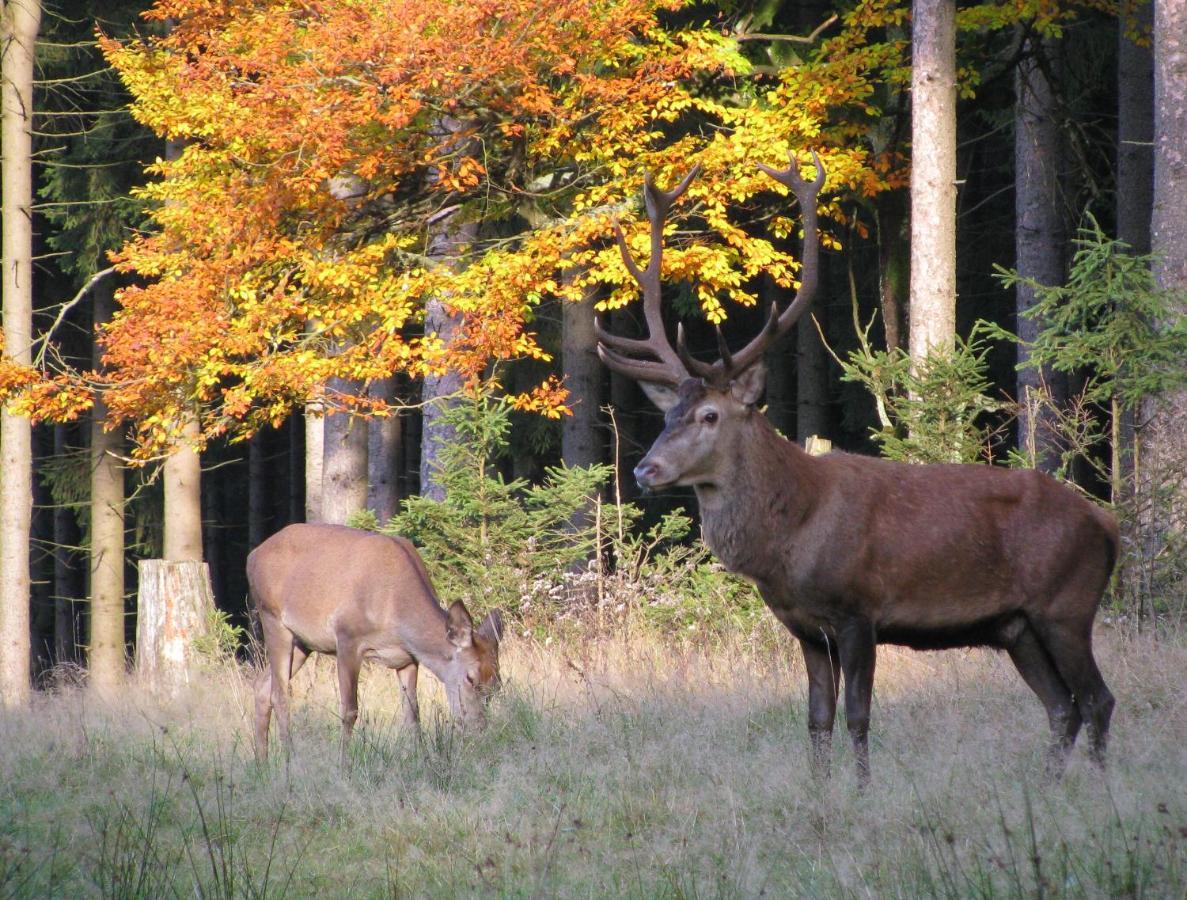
x,y
105,642
933,177
19,25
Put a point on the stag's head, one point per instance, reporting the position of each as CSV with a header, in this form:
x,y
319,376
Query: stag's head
x,y
473,674
704,403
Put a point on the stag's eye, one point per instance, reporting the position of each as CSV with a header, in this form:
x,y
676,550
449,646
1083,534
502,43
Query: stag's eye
x,y
710,417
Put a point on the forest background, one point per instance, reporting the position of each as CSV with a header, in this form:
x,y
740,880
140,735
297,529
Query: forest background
x,y
268,238
270,261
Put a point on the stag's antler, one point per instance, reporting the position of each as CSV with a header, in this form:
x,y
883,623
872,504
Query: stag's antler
x,y
619,353
777,324
670,367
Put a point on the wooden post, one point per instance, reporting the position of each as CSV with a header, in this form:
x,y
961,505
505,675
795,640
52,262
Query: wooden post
x,y
174,610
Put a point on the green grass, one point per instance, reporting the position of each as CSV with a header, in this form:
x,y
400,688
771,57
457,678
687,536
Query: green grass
x,y
618,767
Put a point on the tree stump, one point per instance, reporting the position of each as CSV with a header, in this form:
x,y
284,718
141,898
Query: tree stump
x,y
175,607
818,446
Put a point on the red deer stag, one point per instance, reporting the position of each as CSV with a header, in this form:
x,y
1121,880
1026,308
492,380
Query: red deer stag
x,y
848,551
362,596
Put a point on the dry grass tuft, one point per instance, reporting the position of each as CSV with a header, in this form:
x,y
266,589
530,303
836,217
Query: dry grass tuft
x,y
622,766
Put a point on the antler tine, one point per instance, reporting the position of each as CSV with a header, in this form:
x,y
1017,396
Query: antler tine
x,y
638,369
711,372
777,323
790,177
612,349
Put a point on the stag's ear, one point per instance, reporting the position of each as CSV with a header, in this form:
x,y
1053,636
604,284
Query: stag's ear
x,y
660,394
459,627
491,628
747,387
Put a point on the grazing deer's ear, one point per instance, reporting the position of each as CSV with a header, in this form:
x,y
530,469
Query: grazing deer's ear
x,y
660,394
491,628
459,627
747,387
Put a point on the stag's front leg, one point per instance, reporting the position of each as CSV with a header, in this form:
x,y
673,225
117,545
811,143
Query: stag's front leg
x,y
857,647
824,682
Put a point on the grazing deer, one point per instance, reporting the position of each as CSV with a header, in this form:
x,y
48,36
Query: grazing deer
x,y
361,596
848,551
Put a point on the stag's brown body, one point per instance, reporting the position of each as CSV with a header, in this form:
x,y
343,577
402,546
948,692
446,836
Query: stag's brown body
x,y
361,596
930,556
848,551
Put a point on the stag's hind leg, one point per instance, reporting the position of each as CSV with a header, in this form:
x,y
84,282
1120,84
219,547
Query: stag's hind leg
x,y
1069,645
1038,671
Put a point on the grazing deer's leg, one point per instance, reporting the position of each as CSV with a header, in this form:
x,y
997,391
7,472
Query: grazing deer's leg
x,y
1070,647
824,682
279,648
349,663
408,693
857,649
263,698
1039,672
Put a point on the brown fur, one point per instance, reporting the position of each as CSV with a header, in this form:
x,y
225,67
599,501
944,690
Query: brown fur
x,y
361,596
849,552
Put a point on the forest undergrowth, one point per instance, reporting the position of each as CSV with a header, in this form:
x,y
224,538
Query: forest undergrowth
x,y
628,764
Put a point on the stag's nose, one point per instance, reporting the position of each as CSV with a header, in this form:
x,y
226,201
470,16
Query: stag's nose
x,y
646,474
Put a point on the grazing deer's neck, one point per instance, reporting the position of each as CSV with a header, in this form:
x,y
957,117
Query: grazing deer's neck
x,y
752,514
424,637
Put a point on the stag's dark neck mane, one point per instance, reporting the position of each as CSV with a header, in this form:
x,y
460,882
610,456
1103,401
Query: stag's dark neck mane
x,y
750,518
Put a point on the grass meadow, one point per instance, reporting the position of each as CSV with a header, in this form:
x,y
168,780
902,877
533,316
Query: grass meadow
x,y
621,766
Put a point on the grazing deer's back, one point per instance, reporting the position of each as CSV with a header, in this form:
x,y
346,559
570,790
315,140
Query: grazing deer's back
x,y
310,576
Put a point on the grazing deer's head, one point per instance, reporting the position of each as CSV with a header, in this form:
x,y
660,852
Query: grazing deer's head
x,y
474,668
703,401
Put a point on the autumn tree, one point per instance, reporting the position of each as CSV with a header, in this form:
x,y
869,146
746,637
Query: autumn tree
x,y
252,244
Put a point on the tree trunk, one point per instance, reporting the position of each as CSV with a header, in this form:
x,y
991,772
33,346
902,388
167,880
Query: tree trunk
x,y
69,586
385,455
1135,186
811,415
780,361
1135,127
894,266
447,243
18,33
105,656
582,440
1163,459
182,478
257,491
295,467
1040,235
315,461
41,557
344,472
175,609
626,400
214,542
933,177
